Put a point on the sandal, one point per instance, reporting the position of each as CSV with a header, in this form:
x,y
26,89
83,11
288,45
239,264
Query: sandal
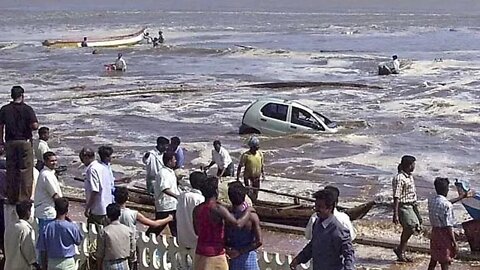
x,y
401,256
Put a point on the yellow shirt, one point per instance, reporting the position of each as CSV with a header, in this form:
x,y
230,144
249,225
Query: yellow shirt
x,y
253,164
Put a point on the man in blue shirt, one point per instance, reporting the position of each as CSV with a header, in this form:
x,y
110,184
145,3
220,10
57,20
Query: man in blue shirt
x,y
331,246
58,240
175,147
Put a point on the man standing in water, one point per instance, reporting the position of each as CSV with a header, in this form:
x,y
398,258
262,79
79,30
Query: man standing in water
x,y
405,209
120,63
221,157
395,65
18,120
153,161
253,162
84,42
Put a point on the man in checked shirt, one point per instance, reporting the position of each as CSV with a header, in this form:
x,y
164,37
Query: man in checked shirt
x,y
443,247
405,209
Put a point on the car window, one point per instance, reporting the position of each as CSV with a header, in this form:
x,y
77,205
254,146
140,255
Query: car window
x,y
276,111
304,118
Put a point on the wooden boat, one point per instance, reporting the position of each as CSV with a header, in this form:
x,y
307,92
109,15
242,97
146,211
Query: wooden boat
x,y
293,214
113,41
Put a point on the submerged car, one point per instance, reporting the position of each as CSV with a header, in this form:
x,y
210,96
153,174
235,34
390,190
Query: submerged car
x,y
278,117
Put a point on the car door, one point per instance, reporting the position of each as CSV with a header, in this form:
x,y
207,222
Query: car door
x,y
273,118
303,121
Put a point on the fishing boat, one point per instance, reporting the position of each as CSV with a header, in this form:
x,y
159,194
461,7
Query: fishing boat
x,y
296,213
113,41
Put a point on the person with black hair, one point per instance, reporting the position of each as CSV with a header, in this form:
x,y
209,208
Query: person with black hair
x,y
331,246
40,146
113,252
405,209
20,241
98,189
153,161
209,219
166,193
47,190
57,242
343,218
17,121
187,201
242,242
175,147
84,42
221,157
443,246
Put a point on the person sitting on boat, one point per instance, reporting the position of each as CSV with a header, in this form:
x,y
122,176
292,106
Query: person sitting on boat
x,y
147,37
343,218
160,37
120,64
84,42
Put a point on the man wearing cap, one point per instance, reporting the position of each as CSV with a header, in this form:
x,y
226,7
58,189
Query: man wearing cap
x,y
254,167
17,121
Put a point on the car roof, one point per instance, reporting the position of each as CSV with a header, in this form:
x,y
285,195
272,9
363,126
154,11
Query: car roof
x,y
283,101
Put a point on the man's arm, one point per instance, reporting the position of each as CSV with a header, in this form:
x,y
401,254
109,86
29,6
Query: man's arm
x,y
240,165
153,223
170,193
2,140
396,205
223,213
303,257
258,234
90,202
346,248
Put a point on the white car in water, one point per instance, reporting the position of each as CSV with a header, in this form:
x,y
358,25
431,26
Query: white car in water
x,y
278,117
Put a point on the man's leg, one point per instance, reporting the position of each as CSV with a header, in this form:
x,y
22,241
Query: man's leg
x,y
432,264
444,266
400,250
255,184
173,224
13,183
26,170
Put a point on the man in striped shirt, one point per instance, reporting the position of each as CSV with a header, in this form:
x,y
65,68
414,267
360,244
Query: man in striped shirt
x,y
405,205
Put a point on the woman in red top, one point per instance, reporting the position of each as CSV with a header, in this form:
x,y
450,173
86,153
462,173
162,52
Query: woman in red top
x,y
209,222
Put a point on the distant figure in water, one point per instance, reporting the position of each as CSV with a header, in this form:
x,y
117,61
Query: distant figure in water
x,y
120,64
392,67
84,42
155,42
160,37
395,64
147,37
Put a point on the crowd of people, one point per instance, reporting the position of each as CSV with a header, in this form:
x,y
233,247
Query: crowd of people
x,y
222,237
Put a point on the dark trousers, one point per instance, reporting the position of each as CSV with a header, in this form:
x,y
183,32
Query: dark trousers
x,y
253,182
172,224
19,170
229,171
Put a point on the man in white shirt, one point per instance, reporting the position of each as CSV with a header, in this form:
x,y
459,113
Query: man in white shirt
x,y
20,241
120,63
186,203
47,190
343,218
153,161
166,194
395,64
221,157
40,147
98,190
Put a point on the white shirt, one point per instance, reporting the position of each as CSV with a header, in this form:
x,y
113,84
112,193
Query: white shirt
x,y
20,246
222,158
95,182
153,163
40,147
108,176
185,232
120,64
47,186
343,218
396,65
166,179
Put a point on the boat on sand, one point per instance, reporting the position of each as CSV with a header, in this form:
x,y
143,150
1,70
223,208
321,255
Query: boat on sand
x,y
114,41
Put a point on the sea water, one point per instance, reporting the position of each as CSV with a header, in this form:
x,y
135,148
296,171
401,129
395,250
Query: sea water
x,y
214,50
